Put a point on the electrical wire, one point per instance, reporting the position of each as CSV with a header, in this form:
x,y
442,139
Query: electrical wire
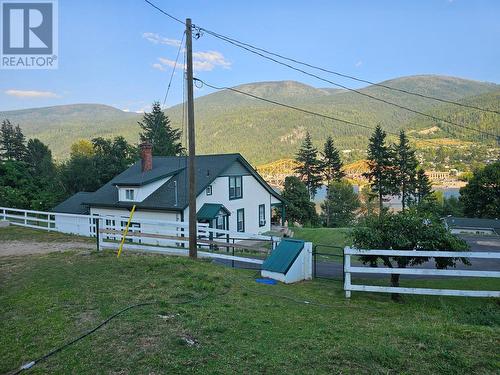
x,y
213,33
349,88
30,364
173,69
298,108
255,50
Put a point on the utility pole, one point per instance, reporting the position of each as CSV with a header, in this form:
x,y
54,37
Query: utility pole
x,y
193,251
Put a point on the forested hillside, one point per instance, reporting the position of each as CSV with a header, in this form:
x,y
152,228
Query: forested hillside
x,y
231,122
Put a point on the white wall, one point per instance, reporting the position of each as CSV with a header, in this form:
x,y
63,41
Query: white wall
x,y
73,225
141,192
254,194
145,227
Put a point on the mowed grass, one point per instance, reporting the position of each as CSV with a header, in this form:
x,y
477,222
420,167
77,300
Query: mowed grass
x,y
17,233
211,319
326,241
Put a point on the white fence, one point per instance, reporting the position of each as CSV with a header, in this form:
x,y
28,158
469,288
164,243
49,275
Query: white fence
x,y
83,225
168,237
171,237
348,269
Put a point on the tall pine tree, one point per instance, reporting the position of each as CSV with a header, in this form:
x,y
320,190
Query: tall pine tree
x,y
309,168
331,163
158,130
405,171
423,186
380,165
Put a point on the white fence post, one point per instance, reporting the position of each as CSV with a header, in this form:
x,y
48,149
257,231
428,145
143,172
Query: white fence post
x,y
347,273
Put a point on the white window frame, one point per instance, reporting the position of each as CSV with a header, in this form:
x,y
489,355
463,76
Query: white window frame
x,y
209,190
129,194
242,221
262,218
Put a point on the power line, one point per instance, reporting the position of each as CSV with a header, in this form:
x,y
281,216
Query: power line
x,y
253,50
294,108
226,38
346,87
165,13
173,69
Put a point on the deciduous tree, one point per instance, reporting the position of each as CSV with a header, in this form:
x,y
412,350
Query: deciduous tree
x,y
340,205
481,196
298,206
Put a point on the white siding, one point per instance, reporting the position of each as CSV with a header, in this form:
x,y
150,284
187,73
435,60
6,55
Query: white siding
x,y
254,194
141,192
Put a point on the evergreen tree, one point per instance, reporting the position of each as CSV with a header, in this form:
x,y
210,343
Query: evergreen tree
x,y
6,140
331,163
423,186
156,128
18,146
12,142
380,165
309,169
405,171
39,159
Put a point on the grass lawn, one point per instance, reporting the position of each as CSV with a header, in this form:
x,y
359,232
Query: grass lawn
x,y
17,233
229,323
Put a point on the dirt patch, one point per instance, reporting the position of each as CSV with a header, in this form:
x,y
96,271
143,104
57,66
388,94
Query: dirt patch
x,y
9,248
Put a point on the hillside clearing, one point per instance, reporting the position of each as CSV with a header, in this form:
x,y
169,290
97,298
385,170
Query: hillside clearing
x,y
227,323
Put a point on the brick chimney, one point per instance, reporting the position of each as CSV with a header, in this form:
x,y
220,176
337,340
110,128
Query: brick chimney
x,y
146,156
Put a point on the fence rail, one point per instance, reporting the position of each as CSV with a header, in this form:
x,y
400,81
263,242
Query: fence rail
x,y
348,270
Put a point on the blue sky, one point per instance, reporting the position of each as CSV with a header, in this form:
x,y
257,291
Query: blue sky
x,y
119,52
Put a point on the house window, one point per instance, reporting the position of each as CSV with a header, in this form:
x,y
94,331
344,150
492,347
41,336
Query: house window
x,y
240,220
209,190
262,215
129,194
220,222
235,187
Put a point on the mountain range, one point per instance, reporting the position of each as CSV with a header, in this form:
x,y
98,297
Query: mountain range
x,y
231,122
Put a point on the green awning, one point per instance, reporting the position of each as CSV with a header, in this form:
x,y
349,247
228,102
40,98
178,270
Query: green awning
x,y
210,211
282,258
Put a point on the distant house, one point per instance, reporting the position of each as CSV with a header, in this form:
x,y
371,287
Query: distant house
x,y
230,193
472,225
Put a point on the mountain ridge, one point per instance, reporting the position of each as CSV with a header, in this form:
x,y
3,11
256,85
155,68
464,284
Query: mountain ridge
x,y
224,118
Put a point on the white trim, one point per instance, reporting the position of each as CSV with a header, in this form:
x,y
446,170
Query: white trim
x,y
348,286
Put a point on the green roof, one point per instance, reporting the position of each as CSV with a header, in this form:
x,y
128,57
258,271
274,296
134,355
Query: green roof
x,y
209,211
283,256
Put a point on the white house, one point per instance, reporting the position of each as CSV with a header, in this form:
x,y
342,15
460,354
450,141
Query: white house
x,y
230,193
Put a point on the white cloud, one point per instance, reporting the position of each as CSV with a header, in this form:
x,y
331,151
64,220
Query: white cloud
x,y
211,59
30,94
358,64
158,39
126,110
202,62
159,67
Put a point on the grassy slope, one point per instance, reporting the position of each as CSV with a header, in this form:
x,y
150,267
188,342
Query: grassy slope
x,y
239,326
15,233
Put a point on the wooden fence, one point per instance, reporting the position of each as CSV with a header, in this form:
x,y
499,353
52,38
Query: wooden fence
x,y
348,269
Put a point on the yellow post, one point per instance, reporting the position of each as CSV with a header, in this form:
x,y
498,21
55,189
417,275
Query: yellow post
x,y
125,232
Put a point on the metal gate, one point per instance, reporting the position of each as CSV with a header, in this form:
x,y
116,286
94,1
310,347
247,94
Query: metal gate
x,y
328,262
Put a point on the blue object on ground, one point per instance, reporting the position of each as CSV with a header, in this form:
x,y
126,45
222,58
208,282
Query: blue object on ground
x,y
267,281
